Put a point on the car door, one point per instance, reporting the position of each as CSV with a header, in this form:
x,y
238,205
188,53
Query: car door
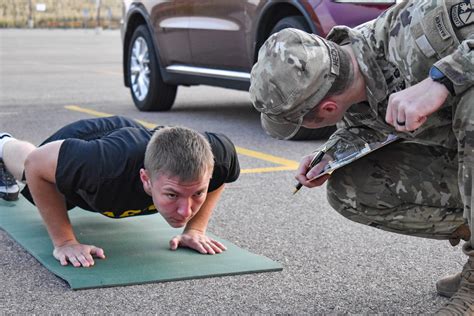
x,y
170,22
217,32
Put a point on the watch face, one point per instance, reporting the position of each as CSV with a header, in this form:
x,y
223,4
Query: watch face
x,y
436,74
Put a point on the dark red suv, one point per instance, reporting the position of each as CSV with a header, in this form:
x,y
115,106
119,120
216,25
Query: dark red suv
x,y
215,42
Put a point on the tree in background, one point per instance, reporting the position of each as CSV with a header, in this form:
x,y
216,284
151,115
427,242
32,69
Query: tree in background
x,y
60,13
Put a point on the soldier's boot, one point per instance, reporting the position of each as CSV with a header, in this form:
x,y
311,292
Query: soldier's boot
x,y
448,285
9,189
462,302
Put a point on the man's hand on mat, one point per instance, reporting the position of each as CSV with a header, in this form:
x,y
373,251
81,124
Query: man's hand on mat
x,y
197,240
77,254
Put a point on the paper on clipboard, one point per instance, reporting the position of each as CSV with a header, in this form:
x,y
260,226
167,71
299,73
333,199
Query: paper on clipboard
x,y
345,160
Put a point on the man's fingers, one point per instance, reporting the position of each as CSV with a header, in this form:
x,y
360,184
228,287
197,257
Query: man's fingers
x,y
303,167
84,262
78,255
413,124
316,182
174,242
98,252
215,247
63,260
201,244
316,170
89,258
198,247
208,247
421,121
388,115
74,261
401,118
301,178
219,244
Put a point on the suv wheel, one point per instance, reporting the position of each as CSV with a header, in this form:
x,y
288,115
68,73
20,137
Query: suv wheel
x,y
148,90
299,22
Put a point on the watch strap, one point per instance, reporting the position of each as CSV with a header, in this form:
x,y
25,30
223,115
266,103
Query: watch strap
x,y
438,76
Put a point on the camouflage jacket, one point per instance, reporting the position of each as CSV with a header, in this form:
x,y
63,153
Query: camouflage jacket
x,y
396,51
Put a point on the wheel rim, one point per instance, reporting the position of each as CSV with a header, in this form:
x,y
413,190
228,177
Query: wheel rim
x,y
140,69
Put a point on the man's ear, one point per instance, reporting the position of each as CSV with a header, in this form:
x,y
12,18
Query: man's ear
x,y
327,107
146,181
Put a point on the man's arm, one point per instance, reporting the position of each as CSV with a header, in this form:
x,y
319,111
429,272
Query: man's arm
x,y
194,234
409,109
459,66
415,104
40,171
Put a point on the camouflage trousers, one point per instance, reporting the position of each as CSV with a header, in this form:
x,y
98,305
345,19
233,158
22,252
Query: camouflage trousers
x,y
412,189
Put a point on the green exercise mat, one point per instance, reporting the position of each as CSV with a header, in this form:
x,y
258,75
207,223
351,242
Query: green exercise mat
x,y
136,249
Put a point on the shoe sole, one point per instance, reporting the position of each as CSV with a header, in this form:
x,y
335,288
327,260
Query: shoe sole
x,y
445,294
9,196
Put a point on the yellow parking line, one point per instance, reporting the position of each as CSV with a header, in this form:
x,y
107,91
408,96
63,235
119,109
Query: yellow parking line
x,y
91,112
285,164
267,169
103,114
259,155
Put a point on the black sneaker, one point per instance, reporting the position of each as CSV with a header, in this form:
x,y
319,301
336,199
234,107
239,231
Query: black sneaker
x,y
9,189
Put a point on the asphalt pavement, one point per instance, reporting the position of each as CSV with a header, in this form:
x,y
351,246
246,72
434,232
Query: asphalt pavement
x,y
331,265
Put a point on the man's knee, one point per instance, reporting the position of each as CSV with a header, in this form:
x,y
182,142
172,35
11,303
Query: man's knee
x,y
14,156
359,186
360,201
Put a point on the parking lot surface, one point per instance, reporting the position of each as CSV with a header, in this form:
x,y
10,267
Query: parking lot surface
x,y
49,78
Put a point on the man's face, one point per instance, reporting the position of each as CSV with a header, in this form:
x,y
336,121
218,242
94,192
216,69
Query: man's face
x,y
177,201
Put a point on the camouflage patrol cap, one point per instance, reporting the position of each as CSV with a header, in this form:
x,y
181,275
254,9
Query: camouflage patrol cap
x,y
294,72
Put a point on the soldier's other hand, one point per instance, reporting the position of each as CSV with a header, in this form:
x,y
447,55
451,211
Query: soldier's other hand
x,y
304,174
409,109
77,254
198,241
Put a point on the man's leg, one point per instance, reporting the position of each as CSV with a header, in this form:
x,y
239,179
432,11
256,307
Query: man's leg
x,y
404,188
12,157
462,302
463,127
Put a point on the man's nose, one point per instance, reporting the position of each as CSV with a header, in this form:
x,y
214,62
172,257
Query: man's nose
x,y
184,208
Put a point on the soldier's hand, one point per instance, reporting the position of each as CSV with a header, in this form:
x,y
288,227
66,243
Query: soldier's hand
x,y
304,176
77,254
198,241
408,109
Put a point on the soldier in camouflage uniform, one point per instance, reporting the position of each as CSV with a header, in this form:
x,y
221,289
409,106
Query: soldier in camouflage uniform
x,y
410,72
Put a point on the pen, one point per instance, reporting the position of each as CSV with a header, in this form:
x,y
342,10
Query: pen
x,y
316,159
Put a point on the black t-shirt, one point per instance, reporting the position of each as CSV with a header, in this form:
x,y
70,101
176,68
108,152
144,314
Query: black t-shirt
x,y
99,162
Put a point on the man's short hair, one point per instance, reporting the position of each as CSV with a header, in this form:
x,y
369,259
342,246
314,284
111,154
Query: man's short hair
x,y
179,152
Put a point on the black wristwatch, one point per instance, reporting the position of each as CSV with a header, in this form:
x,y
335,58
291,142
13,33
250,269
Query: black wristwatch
x,y
440,77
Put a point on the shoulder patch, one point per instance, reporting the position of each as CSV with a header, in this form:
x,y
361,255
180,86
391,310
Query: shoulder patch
x,y
462,13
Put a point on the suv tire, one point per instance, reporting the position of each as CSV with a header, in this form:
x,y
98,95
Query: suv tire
x,y
148,90
299,22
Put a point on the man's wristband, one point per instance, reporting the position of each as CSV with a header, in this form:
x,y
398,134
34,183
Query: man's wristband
x,y
438,76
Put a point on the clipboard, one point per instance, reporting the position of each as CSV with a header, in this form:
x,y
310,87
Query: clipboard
x,y
367,149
